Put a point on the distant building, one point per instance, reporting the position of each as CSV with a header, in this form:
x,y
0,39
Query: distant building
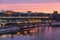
x,y
55,12
29,12
54,16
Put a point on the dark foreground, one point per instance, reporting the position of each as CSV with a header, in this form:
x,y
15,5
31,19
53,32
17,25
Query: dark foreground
x,y
44,33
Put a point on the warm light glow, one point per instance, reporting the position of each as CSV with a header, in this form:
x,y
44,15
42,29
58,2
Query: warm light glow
x,y
18,33
36,29
32,31
3,24
25,32
3,36
18,22
8,13
34,20
0,25
25,21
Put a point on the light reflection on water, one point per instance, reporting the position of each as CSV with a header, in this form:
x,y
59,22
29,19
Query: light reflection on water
x,y
43,33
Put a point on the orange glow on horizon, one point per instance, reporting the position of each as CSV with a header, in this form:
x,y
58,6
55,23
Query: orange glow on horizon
x,y
40,7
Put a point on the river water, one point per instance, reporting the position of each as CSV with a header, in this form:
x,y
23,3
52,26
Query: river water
x,y
44,33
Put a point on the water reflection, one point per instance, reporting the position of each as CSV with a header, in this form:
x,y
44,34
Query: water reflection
x,y
3,36
39,33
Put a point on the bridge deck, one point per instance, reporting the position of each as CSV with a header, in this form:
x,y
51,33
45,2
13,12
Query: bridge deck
x,y
24,17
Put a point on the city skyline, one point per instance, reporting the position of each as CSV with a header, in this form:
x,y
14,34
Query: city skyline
x,y
47,6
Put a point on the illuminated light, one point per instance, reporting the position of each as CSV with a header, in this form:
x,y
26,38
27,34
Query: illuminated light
x,y
3,36
32,31
25,32
8,12
50,21
36,21
18,33
46,20
36,29
44,17
0,25
39,20
25,21
18,22
30,21
3,24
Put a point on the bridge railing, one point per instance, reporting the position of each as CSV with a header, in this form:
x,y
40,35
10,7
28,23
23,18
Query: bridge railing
x,y
24,17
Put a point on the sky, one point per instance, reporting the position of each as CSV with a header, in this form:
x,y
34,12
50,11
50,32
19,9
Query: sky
x,y
30,5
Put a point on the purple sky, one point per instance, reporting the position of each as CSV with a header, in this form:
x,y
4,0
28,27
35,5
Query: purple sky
x,y
29,1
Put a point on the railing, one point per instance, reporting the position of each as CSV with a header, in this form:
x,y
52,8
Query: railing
x,y
24,17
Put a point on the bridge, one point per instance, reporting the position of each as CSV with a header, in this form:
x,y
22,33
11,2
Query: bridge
x,y
22,23
25,17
